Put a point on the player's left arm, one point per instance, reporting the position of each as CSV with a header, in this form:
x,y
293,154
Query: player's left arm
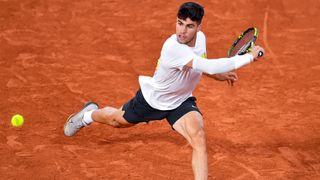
x,y
230,77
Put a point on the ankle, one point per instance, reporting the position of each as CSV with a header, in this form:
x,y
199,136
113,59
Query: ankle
x,y
87,117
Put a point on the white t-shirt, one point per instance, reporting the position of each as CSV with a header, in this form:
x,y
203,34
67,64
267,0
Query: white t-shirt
x,y
173,82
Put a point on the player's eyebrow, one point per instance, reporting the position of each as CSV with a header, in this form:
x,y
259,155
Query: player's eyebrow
x,y
180,21
191,24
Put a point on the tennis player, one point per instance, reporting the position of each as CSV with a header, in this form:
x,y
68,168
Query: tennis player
x,y
168,94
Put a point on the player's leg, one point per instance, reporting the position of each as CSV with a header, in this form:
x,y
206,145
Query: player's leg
x,y
111,116
90,113
133,112
190,126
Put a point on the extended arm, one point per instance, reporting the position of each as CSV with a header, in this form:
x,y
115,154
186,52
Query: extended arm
x,y
224,65
221,65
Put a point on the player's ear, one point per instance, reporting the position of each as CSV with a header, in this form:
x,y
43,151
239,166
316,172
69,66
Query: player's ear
x,y
199,28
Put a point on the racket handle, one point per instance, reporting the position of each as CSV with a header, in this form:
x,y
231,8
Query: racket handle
x,y
260,54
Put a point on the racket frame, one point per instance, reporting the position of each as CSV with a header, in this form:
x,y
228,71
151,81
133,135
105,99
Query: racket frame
x,y
247,47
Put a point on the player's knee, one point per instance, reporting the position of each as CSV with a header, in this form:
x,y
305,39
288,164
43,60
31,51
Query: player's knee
x,y
114,123
198,140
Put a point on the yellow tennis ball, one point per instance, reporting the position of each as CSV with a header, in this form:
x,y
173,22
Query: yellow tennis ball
x,y
17,120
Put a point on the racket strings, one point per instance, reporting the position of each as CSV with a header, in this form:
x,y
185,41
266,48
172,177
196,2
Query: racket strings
x,y
243,44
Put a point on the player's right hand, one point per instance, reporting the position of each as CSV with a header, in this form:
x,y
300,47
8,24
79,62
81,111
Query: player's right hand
x,y
255,52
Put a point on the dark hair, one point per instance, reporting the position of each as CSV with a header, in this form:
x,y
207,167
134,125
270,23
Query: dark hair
x,y
191,10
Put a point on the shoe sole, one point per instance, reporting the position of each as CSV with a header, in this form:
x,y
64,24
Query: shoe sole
x,y
84,106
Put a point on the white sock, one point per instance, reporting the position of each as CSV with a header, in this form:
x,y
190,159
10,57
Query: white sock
x,y
87,117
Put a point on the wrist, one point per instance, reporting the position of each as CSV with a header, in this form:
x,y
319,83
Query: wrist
x,y
251,56
242,60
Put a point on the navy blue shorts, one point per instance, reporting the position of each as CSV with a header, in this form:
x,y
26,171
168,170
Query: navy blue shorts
x,y
138,110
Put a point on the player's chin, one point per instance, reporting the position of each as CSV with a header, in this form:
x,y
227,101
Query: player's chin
x,y
182,41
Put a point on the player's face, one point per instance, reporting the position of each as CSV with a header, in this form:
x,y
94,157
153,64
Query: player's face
x,y
186,31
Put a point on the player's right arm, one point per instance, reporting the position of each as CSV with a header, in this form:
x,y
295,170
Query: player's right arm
x,y
223,65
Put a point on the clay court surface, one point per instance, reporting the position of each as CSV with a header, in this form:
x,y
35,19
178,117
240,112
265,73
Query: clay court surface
x,y
56,55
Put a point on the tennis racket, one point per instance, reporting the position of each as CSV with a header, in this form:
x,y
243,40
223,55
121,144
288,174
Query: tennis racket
x,y
244,43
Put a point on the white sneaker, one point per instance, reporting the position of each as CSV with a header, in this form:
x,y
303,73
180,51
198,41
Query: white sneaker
x,y
75,121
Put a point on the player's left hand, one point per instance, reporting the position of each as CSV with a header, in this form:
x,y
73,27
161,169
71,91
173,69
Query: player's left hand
x,y
230,77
